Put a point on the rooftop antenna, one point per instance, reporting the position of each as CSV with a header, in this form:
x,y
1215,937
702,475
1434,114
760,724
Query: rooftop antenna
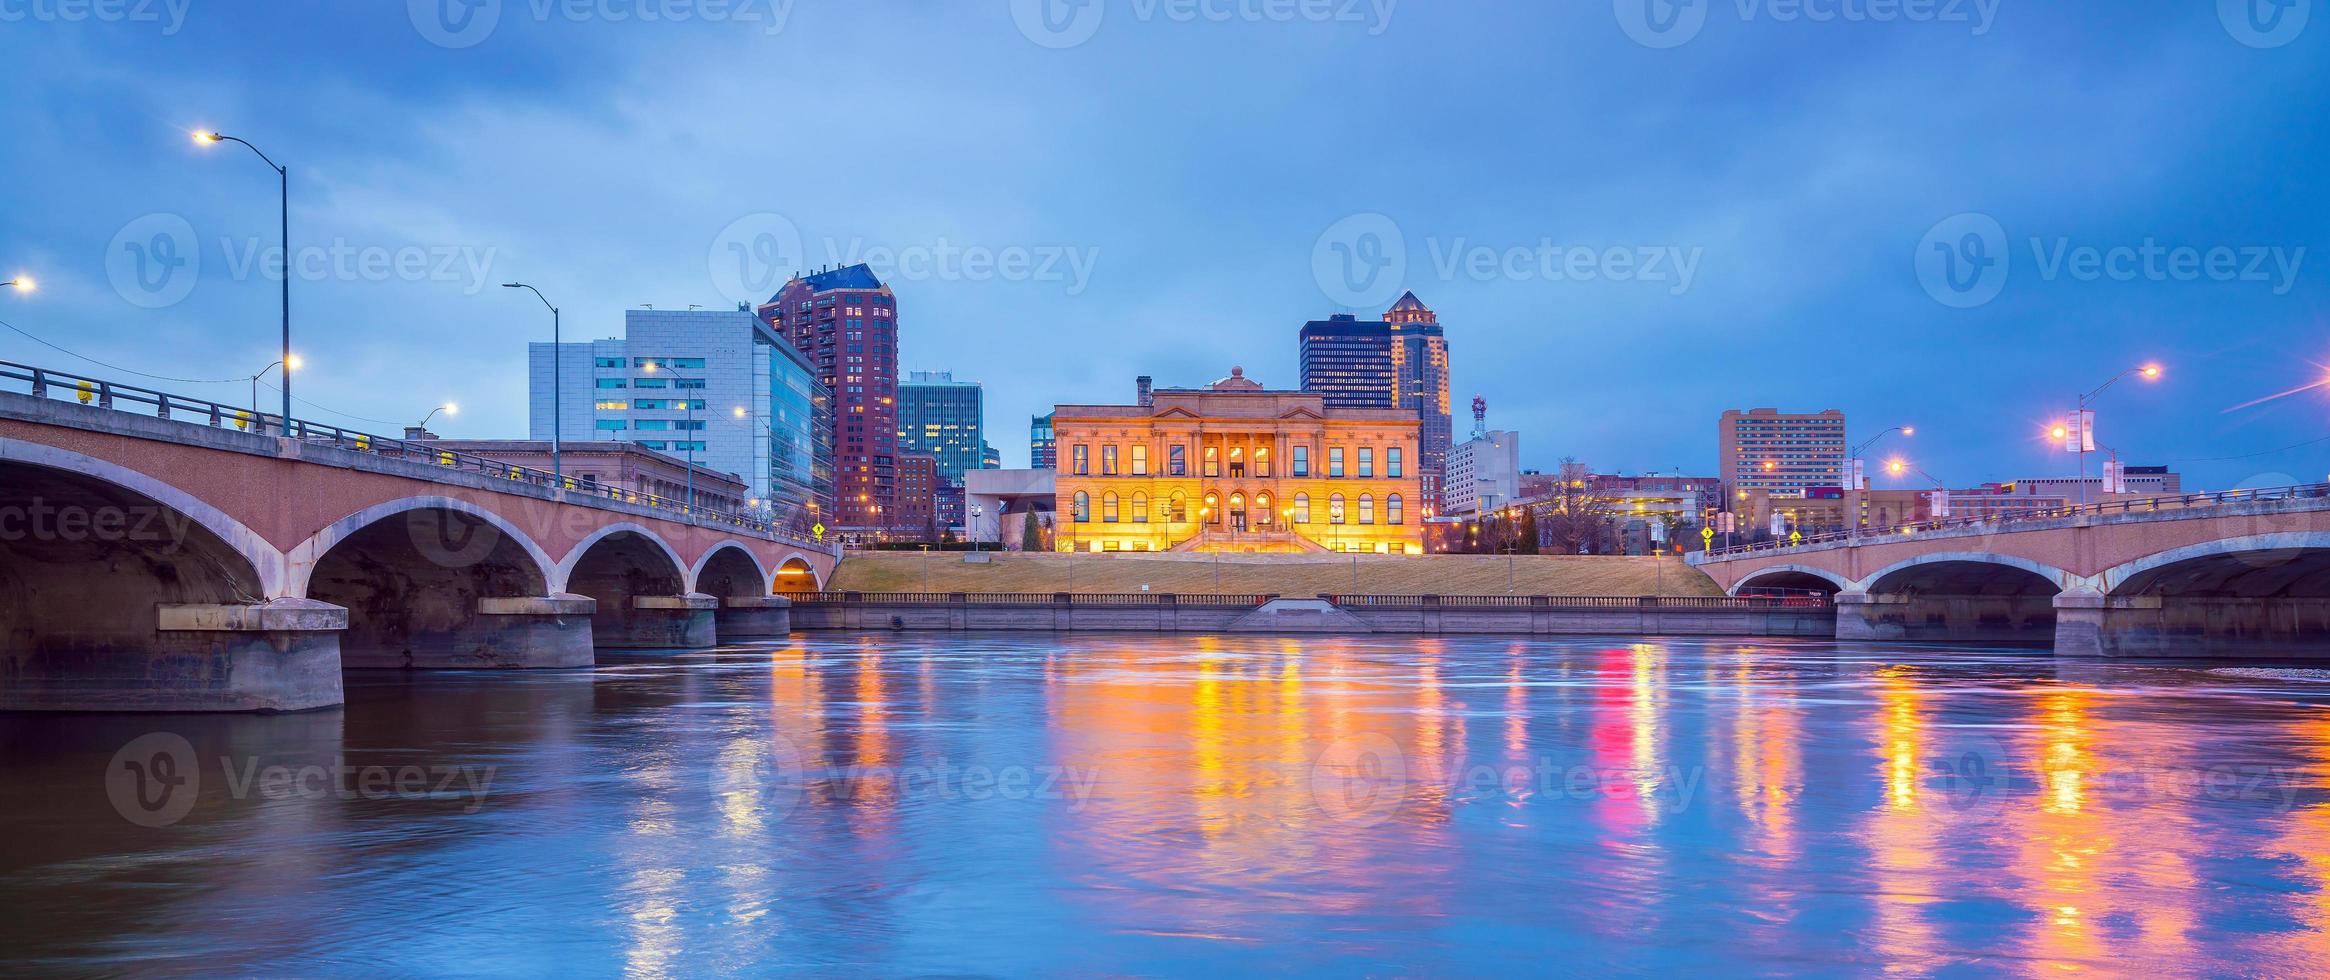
x,y
694,306
1480,417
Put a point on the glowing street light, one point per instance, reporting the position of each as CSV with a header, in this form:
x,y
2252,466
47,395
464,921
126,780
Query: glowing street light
x,y
283,178
448,410
23,284
2148,371
289,363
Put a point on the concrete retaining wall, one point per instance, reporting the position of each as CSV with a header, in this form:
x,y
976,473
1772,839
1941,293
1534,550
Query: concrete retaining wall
x,y
872,615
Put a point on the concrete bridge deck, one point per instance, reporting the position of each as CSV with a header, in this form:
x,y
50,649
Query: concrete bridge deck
x,y
2241,574
155,556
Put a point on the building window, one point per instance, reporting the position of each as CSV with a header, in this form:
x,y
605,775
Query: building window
x,y
1108,460
1366,508
1302,460
1213,509
1262,509
1082,512
605,383
1262,463
1335,463
1140,508
1177,460
611,425
1179,512
1302,508
1391,507
1108,507
1335,509
1082,459
1213,461
1140,459
1237,462
1366,463
1391,465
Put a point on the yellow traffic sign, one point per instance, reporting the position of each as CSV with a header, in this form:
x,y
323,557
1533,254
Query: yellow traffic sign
x,y
1795,538
1707,534
818,529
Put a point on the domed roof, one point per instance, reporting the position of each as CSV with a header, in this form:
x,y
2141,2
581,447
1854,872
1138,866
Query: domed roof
x,y
1237,381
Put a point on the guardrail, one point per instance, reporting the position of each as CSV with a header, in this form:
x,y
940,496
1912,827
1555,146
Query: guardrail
x,y
2141,505
1033,598
109,395
1807,601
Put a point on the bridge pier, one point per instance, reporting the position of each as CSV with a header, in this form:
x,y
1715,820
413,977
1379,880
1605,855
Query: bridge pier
x,y
1861,616
1944,618
2283,628
280,655
754,617
661,622
505,633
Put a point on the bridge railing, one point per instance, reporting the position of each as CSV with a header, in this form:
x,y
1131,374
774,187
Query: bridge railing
x,y
115,396
1573,602
2135,505
1033,598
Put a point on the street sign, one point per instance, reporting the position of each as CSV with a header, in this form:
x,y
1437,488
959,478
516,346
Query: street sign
x,y
818,529
1707,535
1795,538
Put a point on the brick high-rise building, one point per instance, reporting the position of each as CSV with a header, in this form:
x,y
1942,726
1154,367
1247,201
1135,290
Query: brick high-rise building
x,y
1401,362
1780,453
846,322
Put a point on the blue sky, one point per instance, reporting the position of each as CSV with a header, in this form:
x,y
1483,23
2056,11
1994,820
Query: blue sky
x,y
1173,187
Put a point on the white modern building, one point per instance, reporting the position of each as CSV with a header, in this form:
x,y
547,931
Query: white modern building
x,y
717,388
1484,473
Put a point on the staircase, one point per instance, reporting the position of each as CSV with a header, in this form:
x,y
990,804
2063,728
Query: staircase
x,y
1253,542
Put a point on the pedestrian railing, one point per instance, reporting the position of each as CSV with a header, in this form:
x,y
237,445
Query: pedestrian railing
x,y
1578,602
1032,598
2138,505
101,394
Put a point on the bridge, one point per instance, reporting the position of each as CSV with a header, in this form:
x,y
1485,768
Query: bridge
x,y
2242,573
162,553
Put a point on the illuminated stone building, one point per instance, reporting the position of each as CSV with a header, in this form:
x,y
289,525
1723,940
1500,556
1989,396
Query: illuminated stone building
x,y
1237,467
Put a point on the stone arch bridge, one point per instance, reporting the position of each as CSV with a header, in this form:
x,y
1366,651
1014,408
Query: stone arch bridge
x,y
2242,573
155,557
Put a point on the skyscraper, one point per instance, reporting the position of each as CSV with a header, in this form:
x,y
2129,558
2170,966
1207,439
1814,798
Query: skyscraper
x,y
716,387
845,321
942,417
1043,451
1400,361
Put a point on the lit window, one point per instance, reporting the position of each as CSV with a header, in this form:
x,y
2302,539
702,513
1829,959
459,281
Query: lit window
x,y
1177,460
1302,460
1366,508
1366,464
1335,509
1213,461
1335,464
1081,456
1391,507
1108,460
1140,508
1391,465
1140,459
1302,508
1108,507
1083,509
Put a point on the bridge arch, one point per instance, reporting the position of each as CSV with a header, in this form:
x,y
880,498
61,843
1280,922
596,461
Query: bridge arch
x,y
640,586
729,569
795,573
564,570
302,559
266,562
1793,577
423,579
2294,564
1969,573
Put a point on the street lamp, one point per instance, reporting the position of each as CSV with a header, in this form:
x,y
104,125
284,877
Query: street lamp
x,y
1863,448
448,409
2149,372
557,355
977,512
289,363
23,284
283,178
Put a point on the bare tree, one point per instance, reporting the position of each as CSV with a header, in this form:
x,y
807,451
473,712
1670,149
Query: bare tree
x,y
1572,519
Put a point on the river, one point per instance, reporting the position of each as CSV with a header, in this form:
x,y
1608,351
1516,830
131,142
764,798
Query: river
x,y
1012,803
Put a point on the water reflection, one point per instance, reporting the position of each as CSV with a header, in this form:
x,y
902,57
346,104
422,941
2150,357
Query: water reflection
x,y
1008,803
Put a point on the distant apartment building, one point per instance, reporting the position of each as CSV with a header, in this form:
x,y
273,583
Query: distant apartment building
x,y
942,418
1043,451
1236,467
1706,491
917,514
1484,474
716,388
1784,454
1398,362
2108,480
845,322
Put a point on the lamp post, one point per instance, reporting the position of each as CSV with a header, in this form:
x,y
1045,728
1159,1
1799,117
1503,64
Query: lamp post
x,y
2085,433
283,187
557,389
976,512
23,284
448,409
690,402
289,363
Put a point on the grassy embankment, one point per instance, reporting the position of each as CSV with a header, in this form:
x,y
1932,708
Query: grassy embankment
x,y
1289,575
